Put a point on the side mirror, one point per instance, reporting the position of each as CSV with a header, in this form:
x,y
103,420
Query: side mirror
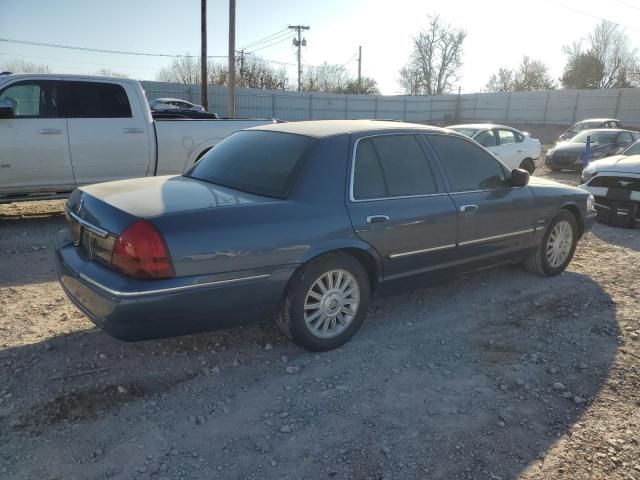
x,y
519,178
6,108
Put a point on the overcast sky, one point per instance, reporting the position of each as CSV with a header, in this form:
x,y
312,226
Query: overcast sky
x,y
499,32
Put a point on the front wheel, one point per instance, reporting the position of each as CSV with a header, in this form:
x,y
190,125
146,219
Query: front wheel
x,y
326,302
557,247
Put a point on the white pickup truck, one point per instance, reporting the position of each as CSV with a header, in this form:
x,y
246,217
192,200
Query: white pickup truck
x,y
61,131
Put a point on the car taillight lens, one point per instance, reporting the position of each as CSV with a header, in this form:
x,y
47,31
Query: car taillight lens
x,y
140,252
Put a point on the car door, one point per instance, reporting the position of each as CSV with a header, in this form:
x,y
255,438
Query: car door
x,y
108,138
398,204
510,152
494,218
34,147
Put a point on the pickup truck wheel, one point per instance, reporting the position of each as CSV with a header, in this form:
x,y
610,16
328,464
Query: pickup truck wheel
x,y
528,165
556,248
326,302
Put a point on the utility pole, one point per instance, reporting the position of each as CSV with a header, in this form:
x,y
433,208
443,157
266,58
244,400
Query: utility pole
x,y
232,58
299,42
359,69
203,54
241,55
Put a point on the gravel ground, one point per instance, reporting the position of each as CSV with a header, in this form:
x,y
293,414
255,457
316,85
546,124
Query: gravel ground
x,y
495,375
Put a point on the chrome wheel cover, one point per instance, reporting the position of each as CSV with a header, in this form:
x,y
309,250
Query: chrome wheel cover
x,y
331,303
559,244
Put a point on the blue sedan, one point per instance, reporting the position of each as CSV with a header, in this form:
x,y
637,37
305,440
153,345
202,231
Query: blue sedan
x,y
304,222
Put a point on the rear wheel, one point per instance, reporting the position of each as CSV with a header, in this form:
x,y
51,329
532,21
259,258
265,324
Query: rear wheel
x,y
326,302
528,165
557,247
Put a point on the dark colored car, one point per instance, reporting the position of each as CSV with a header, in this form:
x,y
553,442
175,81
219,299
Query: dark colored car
x,y
175,108
305,221
590,124
569,154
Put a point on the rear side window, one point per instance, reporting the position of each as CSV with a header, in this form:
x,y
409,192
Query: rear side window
x,y
95,100
468,167
258,162
32,99
506,137
391,166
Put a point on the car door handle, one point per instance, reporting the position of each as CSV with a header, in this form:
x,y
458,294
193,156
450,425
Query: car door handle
x,y
377,219
49,131
468,209
133,130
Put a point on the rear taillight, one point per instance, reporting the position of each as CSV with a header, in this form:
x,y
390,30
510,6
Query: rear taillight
x,y
140,252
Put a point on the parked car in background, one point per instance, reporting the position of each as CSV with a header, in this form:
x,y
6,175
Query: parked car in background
x,y
514,148
162,108
590,124
163,104
61,131
569,154
615,184
305,221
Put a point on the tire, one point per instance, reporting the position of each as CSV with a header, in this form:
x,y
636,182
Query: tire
x,y
298,323
541,262
528,165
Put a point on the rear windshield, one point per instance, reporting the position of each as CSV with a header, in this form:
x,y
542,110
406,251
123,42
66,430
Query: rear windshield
x,y
258,162
596,137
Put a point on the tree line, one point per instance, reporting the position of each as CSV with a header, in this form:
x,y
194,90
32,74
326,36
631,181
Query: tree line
x,y
604,59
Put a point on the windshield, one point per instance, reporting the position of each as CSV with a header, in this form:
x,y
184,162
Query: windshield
x,y
469,132
578,127
258,162
633,149
596,137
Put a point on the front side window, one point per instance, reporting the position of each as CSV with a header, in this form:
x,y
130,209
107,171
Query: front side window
x,y
258,162
32,99
625,138
506,137
95,100
468,167
391,166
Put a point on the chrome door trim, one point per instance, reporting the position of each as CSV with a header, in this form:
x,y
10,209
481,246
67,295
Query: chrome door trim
x,y
140,293
424,250
496,237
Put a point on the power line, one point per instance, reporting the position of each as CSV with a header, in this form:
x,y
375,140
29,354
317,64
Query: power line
x,y
627,4
101,50
266,39
59,60
272,44
596,17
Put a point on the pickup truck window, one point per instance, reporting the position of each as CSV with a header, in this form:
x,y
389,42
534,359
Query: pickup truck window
x,y
94,100
258,162
32,99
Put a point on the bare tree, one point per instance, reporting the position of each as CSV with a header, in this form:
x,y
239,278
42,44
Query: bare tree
x,y
501,81
607,61
530,75
436,59
256,73
20,66
330,78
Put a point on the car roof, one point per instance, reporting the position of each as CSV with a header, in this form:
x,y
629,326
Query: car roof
x,y
480,126
166,99
598,120
328,128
